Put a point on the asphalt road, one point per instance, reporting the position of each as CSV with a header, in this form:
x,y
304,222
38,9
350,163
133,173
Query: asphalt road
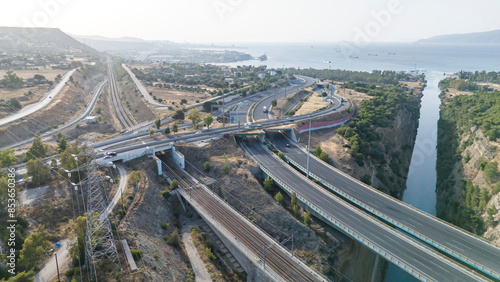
x,y
86,112
31,108
445,234
258,111
394,243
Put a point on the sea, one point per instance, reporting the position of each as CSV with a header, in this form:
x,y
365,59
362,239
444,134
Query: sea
x,y
434,60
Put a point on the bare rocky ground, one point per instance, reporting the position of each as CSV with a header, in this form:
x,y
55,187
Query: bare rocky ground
x,y
143,231
137,105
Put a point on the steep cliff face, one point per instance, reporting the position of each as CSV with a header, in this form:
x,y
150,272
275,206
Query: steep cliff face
x,y
470,186
468,182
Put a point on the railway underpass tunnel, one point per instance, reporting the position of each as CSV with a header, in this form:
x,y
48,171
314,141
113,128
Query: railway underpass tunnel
x,y
169,157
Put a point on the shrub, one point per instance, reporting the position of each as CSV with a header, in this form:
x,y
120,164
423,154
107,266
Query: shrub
x,y
307,218
155,255
174,239
206,166
136,254
209,253
278,198
174,184
165,225
281,155
268,184
225,169
165,194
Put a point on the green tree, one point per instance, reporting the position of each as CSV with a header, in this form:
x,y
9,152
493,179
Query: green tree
x,y
38,171
281,155
174,184
53,164
208,119
62,142
167,130
11,80
317,152
175,128
207,106
77,248
23,277
179,115
268,184
7,158
206,166
13,102
491,172
37,150
274,103
194,116
295,200
158,123
307,219
35,245
278,198
324,157
151,132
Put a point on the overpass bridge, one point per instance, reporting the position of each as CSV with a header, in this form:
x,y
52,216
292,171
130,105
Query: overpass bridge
x,y
409,254
466,248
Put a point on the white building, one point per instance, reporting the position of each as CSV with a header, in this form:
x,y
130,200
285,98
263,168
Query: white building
x,y
90,120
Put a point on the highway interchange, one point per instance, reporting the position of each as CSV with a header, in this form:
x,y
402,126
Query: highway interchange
x,y
440,235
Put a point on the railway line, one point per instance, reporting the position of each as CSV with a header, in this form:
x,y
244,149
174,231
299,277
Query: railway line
x,y
121,113
280,263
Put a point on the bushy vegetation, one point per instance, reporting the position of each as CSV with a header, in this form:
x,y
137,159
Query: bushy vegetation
x,y
379,111
481,76
458,115
374,77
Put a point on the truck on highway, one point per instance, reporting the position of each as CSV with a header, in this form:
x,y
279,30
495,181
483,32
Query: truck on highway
x,y
265,110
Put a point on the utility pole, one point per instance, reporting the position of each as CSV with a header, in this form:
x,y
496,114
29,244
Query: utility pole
x,y
57,266
223,112
309,146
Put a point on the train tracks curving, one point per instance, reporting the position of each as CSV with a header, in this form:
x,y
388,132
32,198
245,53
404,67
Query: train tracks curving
x,y
120,111
280,262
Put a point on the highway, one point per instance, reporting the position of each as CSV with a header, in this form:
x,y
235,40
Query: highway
x,y
423,260
426,227
86,112
258,111
48,98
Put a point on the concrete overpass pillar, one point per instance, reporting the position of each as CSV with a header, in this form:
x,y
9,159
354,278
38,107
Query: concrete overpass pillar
x,y
158,163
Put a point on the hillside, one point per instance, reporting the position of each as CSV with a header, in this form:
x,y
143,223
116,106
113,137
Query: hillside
x,y
468,155
487,37
40,39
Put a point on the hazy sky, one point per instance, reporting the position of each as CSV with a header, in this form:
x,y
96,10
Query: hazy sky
x,y
257,20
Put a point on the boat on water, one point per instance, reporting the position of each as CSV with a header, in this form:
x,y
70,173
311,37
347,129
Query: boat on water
x,y
263,57
327,61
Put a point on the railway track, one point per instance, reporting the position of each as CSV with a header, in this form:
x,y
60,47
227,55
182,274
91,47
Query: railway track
x,y
280,262
119,109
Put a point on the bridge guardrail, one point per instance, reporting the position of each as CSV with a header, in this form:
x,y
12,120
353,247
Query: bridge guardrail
x,y
395,222
371,245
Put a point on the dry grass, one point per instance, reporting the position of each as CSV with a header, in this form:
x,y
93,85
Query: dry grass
x,y
312,104
212,269
38,90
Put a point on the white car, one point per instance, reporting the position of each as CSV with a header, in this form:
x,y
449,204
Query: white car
x,y
199,132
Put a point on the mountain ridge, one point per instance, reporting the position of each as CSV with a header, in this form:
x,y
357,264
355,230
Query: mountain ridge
x,y
485,37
